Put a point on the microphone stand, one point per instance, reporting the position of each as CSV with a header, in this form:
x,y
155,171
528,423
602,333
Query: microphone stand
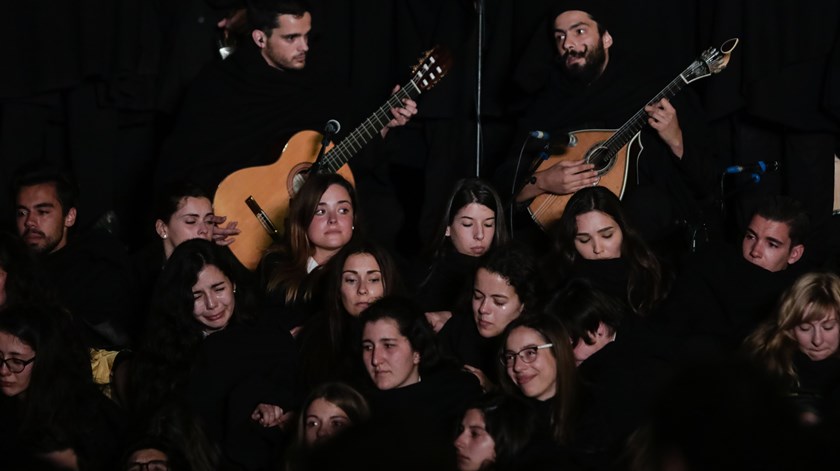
x,y
478,79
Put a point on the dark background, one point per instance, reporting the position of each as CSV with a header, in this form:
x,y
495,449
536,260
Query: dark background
x,y
93,86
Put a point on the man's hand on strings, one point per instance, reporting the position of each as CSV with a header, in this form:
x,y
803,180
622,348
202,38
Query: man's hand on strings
x,y
663,117
401,115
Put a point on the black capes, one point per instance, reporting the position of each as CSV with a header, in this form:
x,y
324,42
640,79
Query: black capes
x,y
239,113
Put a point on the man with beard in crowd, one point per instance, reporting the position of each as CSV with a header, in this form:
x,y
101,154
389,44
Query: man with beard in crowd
x,y
594,84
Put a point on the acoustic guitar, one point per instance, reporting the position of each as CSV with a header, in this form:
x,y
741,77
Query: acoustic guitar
x,y
258,197
609,149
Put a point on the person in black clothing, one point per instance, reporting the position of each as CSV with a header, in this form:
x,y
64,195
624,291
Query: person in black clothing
x,y
594,240
411,388
472,225
721,296
250,104
357,276
201,348
799,346
51,408
507,283
595,84
622,362
90,272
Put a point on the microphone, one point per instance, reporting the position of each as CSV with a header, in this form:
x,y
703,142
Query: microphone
x,y
332,127
569,139
757,168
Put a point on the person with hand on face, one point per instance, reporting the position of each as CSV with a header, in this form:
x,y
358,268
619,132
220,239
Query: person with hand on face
x,y
472,226
799,346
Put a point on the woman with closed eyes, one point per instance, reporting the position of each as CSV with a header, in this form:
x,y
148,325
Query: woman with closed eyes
x,y
593,240
799,346
472,226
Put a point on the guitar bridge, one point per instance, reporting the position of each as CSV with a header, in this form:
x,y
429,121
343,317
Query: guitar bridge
x,y
263,218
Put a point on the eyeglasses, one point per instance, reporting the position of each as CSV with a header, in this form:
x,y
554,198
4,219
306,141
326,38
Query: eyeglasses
x,y
16,365
154,465
527,355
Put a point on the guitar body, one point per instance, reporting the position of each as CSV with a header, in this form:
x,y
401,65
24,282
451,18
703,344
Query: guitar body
x,y
272,186
547,208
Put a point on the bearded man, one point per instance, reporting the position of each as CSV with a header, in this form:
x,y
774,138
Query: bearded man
x,y
596,85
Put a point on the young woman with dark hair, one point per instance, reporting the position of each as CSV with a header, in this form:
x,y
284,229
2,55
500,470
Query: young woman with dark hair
x,y
412,383
537,362
357,276
593,240
322,218
506,283
201,348
52,410
472,225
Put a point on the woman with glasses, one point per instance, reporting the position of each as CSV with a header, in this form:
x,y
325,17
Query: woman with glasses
x,y
52,412
202,349
537,362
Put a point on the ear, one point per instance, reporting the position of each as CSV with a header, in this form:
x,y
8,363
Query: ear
x,y
160,228
448,232
259,38
607,39
416,358
795,254
70,219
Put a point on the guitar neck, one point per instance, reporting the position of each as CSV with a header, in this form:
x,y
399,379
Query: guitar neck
x,y
353,143
626,132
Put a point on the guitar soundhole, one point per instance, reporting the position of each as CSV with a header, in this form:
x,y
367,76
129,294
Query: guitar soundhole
x,y
601,158
296,178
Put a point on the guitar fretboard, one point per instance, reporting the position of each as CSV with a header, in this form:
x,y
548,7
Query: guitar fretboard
x,y
353,143
626,132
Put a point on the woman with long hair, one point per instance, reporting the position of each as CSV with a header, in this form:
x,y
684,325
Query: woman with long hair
x,y
322,219
537,362
506,283
52,410
357,276
593,240
472,225
202,349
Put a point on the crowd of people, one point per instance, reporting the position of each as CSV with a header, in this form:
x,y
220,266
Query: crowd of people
x,y
602,339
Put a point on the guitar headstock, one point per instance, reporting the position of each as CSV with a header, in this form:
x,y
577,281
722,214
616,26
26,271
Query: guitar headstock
x,y
712,61
433,66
